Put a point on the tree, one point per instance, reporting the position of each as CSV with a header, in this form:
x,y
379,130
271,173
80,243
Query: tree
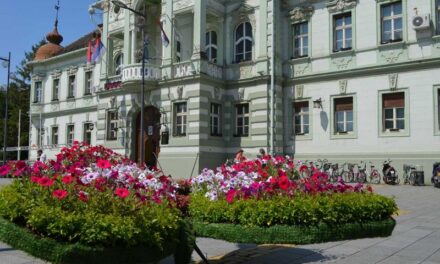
x,y
18,99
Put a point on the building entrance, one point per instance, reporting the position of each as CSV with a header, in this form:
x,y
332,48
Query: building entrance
x,y
151,136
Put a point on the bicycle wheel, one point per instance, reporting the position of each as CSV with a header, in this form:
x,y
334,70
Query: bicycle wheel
x,y
412,177
362,177
375,177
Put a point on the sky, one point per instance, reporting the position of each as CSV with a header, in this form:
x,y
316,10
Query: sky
x,y
23,23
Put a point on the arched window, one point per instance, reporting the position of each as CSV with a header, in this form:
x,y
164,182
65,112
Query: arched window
x,y
243,42
211,46
119,63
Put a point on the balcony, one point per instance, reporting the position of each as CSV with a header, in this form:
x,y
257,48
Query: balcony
x,y
134,72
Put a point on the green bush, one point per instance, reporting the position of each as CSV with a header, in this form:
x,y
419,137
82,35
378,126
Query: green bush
x,y
300,210
105,220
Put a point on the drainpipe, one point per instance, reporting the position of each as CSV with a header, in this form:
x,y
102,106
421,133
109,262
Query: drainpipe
x,y
272,84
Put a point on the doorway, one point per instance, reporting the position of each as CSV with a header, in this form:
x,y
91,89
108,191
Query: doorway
x,y
151,136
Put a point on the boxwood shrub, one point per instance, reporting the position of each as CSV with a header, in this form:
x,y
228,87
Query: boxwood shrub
x,y
299,210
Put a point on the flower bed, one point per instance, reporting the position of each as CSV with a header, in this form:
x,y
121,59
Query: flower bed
x,y
259,201
94,199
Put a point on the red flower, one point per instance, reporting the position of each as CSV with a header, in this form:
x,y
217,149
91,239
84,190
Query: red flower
x,y
284,183
103,164
122,192
230,196
45,182
20,164
67,179
59,194
369,188
303,168
35,179
83,196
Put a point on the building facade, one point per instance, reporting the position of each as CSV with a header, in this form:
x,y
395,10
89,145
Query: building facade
x,y
246,74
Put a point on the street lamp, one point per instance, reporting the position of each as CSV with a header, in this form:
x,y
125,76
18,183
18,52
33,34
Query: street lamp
x,y
5,125
119,4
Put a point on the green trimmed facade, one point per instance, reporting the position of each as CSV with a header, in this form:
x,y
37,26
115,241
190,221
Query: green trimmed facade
x,y
264,64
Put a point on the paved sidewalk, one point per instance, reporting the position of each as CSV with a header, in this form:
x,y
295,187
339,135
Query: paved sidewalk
x,y
416,239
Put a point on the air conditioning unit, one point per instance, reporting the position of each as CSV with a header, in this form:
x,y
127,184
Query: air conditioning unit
x,y
421,21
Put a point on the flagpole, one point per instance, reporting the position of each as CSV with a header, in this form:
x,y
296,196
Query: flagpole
x,y
143,98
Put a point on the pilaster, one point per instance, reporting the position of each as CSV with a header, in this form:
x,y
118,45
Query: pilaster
x,y
199,29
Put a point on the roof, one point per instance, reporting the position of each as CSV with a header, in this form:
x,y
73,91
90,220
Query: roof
x,y
80,43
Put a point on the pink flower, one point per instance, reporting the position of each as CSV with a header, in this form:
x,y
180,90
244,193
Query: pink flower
x,y
103,164
4,170
122,192
35,179
230,195
284,183
59,194
83,196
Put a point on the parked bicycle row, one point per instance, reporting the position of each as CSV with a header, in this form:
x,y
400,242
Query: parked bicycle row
x,y
367,172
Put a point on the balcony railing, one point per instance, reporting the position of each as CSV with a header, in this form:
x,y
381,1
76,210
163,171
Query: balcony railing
x,y
183,69
134,72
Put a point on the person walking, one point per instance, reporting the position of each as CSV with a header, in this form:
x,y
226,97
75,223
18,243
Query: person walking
x,y
41,156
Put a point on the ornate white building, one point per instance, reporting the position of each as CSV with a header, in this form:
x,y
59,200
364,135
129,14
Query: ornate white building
x,y
245,74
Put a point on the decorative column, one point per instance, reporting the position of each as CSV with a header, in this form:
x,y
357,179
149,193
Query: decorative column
x,y
199,29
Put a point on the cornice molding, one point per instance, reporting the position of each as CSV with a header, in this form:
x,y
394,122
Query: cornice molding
x,y
335,6
301,13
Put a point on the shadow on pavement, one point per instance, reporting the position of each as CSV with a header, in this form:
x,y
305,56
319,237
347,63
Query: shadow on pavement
x,y
269,254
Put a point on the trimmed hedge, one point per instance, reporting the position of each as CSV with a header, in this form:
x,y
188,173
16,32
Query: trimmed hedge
x,y
300,210
56,252
282,234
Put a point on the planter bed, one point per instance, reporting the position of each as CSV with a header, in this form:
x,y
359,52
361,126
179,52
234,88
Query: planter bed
x,y
56,252
282,234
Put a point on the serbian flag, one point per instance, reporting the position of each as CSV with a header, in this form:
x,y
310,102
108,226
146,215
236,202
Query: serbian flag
x,y
163,35
98,51
89,52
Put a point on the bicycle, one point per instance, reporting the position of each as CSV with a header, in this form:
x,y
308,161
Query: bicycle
x,y
374,174
361,176
409,174
347,172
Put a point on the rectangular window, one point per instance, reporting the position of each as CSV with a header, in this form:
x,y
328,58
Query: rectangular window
x,y
112,125
54,135
438,108
88,83
38,92
301,117
242,120
178,51
55,89
300,40
72,84
70,134
391,22
343,115
39,137
87,137
215,118
342,32
393,111
437,14
180,117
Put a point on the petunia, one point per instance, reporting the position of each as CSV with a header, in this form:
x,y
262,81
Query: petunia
x,y
45,182
122,192
67,179
103,164
59,194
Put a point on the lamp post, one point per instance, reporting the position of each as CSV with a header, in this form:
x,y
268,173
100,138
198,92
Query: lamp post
x,y
5,125
119,4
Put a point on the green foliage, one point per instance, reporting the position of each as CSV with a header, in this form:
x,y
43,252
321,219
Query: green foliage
x,y
283,234
56,252
301,210
105,220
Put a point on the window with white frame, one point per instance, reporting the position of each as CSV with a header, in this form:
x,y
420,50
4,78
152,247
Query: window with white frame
x,y
55,89
343,114
342,32
301,40
243,42
54,135
38,92
242,120
302,118
112,125
211,46
119,63
72,85
391,22
40,134
87,136
393,111
70,134
180,117
438,108
437,14
88,82
215,119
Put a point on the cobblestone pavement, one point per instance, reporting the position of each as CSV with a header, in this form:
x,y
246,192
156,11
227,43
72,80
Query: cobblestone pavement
x,y
416,239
